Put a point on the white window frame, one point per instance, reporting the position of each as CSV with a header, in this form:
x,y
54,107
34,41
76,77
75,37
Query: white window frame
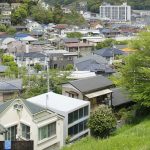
x,y
48,136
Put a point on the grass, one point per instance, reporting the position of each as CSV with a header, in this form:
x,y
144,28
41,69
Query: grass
x,y
135,137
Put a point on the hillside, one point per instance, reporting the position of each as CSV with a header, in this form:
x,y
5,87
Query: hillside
x,y
93,5
128,138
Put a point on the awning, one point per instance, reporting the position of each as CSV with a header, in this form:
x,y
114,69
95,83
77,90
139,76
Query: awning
x,y
98,93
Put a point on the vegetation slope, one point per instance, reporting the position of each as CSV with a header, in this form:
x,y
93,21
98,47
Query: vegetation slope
x,y
135,137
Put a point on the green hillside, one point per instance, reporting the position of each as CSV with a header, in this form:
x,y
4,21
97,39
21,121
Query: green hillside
x,y
128,138
93,5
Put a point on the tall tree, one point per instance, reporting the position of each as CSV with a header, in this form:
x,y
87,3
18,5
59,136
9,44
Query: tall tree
x,y
135,74
57,13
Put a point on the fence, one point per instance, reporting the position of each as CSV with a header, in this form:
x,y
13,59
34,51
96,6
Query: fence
x,y
18,145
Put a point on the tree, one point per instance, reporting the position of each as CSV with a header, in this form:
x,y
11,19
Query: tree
x,y
11,30
2,28
41,15
73,18
57,14
18,15
13,68
38,67
134,75
102,121
74,35
106,43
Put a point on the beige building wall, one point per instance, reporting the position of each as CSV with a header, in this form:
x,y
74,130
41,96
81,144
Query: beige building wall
x,y
11,117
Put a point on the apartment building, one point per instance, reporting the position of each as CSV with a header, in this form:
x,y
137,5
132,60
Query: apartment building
x,y
115,12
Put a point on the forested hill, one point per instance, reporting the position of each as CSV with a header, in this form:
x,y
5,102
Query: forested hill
x,y
93,5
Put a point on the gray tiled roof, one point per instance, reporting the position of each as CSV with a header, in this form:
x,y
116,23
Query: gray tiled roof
x,y
33,108
93,66
31,55
4,106
97,58
119,97
10,85
91,84
108,52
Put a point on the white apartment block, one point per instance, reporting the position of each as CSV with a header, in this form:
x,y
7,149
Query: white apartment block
x,y
115,12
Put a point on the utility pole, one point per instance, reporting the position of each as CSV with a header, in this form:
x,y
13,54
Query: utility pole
x,y
48,88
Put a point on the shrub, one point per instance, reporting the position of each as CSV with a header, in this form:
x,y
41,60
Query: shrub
x,y
102,122
69,67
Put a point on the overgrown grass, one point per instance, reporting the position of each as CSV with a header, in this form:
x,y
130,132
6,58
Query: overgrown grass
x,y
135,137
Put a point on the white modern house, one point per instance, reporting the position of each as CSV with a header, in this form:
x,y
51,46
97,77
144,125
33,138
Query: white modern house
x,y
115,12
75,112
22,120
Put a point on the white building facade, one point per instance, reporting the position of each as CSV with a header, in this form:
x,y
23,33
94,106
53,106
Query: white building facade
x,y
115,12
26,121
75,112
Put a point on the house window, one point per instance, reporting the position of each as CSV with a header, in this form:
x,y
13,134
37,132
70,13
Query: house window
x,y
78,114
77,128
25,131
47,131
11,134
70,58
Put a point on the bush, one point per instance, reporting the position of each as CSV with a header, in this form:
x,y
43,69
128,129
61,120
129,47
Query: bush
x,y
102,122
69,67
2,28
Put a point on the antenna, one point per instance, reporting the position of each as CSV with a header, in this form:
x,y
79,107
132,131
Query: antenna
x,y
46,100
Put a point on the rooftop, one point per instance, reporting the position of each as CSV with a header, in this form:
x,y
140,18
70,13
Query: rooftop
x,y
57,102
91,84
78,45
10,85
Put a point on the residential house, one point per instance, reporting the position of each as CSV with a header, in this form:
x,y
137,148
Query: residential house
x,y
23,120
30,58
9,89
75,112
61,58
68,40
33,25
93,63
82,49
97,90
5,12
22,47
110,33
60,27
109,53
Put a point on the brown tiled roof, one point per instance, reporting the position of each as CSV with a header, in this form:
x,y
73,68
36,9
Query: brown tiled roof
x,y
78,45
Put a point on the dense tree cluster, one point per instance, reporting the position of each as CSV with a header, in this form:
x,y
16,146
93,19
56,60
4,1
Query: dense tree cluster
x,y
45,16
93,5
